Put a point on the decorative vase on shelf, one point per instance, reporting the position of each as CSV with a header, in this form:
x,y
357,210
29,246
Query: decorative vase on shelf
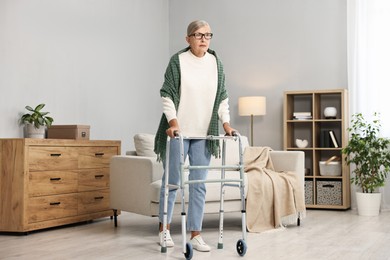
x,y
301,143
330,112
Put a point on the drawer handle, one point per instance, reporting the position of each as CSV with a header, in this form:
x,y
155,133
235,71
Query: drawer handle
x,y
55,179
99,176
55,154
99,198
99,154
54,203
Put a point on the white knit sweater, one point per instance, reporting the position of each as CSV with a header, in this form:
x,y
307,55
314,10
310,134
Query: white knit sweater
x,y
197,94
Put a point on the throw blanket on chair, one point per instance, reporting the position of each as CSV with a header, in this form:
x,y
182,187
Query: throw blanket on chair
x,y
274,198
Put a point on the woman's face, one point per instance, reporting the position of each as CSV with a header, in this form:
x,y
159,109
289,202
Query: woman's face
x,y
199,46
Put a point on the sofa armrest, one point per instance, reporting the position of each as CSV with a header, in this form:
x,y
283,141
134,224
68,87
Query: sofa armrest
x,y
130,179
289,161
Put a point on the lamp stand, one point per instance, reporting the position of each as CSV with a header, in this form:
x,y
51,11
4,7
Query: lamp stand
x,y
251,130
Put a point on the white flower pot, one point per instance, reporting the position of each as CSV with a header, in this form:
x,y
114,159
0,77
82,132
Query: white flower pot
x,y
368,204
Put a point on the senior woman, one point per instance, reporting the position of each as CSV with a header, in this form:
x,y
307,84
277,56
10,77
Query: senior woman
x,y
194,100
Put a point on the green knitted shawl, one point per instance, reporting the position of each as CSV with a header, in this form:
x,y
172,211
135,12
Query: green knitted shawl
x,y
171,89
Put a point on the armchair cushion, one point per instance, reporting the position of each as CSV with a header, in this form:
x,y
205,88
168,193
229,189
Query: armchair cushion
x,y
144,145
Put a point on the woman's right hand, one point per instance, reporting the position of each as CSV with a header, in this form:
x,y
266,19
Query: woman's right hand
x,y
173,128
172,131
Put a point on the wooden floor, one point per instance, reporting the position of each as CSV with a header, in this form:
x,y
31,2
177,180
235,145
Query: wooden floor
x,y
322,235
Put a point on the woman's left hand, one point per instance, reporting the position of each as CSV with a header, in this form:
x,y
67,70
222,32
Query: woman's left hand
x,y
229,130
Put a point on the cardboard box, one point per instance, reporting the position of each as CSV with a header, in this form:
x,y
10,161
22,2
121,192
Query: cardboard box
x,y
79,132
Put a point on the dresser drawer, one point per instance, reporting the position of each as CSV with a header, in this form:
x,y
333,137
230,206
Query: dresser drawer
x,y
52,158
93,201
52,207
52,182
96,157
94,179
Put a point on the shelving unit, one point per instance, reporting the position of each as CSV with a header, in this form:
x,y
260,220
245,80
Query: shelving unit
x,y
321,191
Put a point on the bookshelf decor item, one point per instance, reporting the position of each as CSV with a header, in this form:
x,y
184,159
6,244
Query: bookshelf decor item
x,y
333,139
330,168
321,118
330,112
302,116
301,143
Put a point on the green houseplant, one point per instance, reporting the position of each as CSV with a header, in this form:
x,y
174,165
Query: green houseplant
x,y
369,153
36,121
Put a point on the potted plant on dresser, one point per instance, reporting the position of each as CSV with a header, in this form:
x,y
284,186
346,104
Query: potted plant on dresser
x,y
35,122
369,153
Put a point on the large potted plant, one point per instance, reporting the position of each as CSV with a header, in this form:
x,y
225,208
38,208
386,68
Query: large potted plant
x,y
369,153
36,122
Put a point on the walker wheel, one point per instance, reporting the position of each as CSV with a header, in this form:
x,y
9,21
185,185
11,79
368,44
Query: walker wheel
x,y
189,251
241,247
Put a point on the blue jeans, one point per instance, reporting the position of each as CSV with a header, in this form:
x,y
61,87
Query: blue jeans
x,y
198,154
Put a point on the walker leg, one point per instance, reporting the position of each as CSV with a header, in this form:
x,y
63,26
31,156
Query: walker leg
x,y
187,247
243,220
183,232
166,194
164,244
220,239
221,218
221,196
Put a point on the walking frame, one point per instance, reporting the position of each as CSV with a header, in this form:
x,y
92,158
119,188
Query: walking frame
x,y
239,183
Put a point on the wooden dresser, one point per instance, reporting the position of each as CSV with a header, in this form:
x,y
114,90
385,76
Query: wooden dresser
x,y
51,182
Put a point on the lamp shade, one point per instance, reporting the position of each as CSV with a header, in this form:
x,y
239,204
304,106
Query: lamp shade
x,y
248,106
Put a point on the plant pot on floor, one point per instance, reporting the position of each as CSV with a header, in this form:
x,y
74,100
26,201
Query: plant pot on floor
x,y
368,204
30,131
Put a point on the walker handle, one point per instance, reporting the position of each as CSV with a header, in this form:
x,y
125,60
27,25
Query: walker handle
x,y
234,133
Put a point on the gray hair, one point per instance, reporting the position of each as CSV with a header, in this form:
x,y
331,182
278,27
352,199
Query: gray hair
x,y
195,25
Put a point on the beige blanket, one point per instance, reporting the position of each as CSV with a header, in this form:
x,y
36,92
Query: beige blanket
x,y
274,198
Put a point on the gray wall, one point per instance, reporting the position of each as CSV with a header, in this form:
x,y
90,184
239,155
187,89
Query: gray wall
x,y
267,47
102,62
92,62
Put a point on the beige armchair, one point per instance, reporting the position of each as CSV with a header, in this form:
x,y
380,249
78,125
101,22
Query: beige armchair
x,y
135,178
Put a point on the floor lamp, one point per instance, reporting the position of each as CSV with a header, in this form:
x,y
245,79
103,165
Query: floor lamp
x,y
252,106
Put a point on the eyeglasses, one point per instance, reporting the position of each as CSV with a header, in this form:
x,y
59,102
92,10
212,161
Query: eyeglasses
x,y
199,36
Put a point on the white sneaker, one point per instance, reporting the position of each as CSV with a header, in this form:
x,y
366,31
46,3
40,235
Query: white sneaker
x,y
169,241
198,244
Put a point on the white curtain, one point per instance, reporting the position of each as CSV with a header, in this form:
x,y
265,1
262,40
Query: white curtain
x,y
368,66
